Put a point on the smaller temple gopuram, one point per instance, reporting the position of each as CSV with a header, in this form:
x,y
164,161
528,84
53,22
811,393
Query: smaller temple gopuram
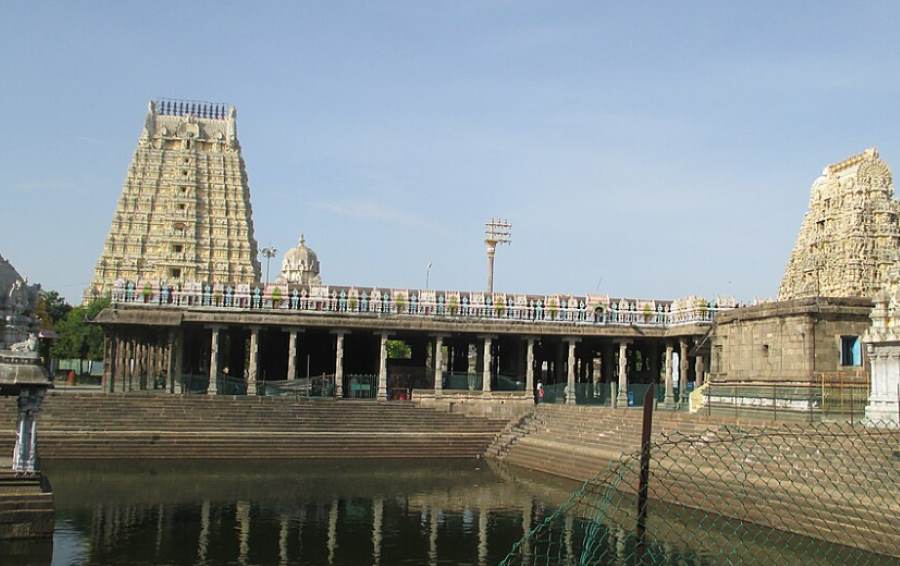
x,y
849,238
300,266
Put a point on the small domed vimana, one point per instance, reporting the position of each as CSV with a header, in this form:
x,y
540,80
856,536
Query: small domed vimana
x,y
577,307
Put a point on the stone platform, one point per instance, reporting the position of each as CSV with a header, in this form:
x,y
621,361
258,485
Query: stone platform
x,y
26,505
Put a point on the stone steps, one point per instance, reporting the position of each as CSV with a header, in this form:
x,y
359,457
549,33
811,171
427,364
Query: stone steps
x,y
72,426
835,484
26,511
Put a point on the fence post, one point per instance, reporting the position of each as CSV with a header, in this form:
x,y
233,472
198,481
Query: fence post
x,y
774,404
734,399
645,474
708,399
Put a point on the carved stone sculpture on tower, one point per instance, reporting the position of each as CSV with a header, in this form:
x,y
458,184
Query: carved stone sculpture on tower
x,y
18,300
849,239
184,213
300,266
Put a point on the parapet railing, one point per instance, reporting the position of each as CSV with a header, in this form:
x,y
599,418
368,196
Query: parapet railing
x,y
461,305
826,399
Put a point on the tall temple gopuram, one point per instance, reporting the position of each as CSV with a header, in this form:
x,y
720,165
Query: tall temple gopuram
x,y
184,213
849,238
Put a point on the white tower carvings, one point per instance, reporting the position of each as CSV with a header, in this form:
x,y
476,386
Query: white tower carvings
x,y
184,213
850,235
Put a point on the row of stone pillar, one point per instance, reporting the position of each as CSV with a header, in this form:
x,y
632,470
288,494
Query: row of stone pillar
x,y
133,363
622,397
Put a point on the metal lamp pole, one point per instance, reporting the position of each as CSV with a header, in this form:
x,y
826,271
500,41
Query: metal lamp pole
x,y
269,252
427,274
496,231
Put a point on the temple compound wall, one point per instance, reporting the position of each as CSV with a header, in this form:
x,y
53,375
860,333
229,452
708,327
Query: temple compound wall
x,y
184,213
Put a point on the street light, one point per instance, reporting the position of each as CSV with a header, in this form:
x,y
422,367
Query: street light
x,y
269,253
496,231
427,273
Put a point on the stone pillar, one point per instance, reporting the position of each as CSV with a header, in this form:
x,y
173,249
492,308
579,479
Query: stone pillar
x,y
683,368
130,364
622,397
439,365
253,362
121,369
292,354
339,364
486,366
529,367
669,401
213,388
140,365
570,372
884,375
171,359
25,452
178,368
109,364
699,369
382,368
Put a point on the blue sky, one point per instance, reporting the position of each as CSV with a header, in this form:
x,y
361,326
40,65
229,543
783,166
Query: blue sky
x,y
651,151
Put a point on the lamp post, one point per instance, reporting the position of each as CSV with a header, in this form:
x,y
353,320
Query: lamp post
x,y
427,273
496,231
269,252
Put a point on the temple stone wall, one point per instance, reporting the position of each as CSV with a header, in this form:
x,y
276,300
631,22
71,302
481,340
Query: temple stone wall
x,y
184,213
789,341
849,239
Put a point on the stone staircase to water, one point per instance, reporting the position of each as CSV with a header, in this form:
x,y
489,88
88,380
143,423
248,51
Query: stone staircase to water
x,y
26,507
578,442
199,427
830,481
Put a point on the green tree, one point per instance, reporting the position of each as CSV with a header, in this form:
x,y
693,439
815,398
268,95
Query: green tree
x,y
51,308
398,350
76,336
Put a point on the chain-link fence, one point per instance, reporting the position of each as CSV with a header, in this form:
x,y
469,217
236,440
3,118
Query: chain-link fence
x,y
821,493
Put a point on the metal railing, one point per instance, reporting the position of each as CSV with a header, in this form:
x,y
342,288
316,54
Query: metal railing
x,y
793,401
543,309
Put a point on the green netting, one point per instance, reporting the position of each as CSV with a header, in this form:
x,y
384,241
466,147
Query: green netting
x,y
797,494
462,381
